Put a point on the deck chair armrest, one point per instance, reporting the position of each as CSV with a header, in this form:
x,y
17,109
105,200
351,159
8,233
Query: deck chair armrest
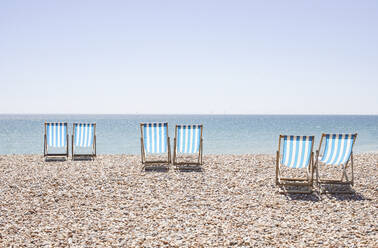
x,y
277,166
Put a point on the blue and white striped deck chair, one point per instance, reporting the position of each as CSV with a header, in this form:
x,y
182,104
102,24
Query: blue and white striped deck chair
x,y
337,151
188,140
56,138
296,153
84,138
155,141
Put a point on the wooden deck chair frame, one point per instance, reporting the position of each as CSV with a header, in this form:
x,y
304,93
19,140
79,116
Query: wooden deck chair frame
x,y
341,181
301,182
81,155
46,153
146,162
200,151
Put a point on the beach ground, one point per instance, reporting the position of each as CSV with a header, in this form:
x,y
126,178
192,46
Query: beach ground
x,y
231,200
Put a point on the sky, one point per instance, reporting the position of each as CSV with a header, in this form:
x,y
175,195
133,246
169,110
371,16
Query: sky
x,y
189,57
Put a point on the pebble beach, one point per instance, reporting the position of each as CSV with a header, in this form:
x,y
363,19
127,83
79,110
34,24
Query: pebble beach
x,y
230,201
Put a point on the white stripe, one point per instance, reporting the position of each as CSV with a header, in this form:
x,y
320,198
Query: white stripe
x,y
64,132
191,140
52,128
85,135
287,151
50,134
62,135
345,158
80,134
293,152
164,138
195,148
186,139
90,134
335,150
307,143
57,135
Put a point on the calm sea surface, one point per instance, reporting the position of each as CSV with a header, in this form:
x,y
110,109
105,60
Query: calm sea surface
x,y
228,134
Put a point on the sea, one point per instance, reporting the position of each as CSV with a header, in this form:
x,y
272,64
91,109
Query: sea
x,y
222,134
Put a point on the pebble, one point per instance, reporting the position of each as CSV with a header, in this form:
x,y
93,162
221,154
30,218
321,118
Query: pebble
x,y
231,201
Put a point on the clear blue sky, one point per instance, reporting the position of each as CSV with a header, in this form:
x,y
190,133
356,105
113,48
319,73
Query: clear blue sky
x,y
234,57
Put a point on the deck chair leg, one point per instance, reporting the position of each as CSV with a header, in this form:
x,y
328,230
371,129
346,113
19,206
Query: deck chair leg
x,y
142,150
45,146
201,151
344,174
351,163
169,150
72,147
174,151
67,153
277,166
315,169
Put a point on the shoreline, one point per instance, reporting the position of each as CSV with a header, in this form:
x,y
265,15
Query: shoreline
x,y
207,154
231,201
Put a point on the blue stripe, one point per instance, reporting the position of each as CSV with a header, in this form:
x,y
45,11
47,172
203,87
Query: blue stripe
x,y
178,139
284,148
161,135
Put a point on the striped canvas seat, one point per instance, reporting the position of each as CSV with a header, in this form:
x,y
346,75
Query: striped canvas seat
x,y
338,152
56,134
297,151
337,148
155,137
188,138
84,134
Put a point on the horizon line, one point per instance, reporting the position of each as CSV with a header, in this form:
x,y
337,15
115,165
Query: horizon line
x,y
285,114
